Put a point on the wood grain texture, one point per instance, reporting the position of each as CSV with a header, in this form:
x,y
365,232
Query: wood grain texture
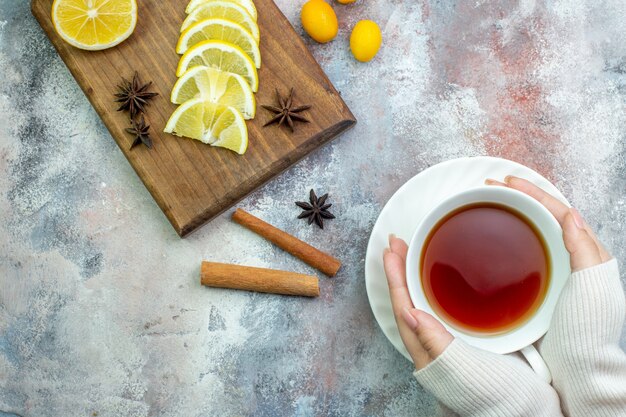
x,y
190,181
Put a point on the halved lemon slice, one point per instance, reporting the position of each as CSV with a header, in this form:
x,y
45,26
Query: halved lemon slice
x,y
220,55
216,86
246,4
210,123
94,24
222,30
225,10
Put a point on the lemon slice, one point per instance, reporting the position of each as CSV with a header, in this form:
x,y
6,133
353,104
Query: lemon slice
x,y
225,10
220,55
223,30
94,24
233,133
210,123
246,4
216,86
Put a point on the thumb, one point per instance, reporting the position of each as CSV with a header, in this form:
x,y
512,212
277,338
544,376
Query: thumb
x,y
431,334
583,250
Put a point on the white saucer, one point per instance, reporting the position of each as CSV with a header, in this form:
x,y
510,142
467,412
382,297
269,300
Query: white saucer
x,y
405,209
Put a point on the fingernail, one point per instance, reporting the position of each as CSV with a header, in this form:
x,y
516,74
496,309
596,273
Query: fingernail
x,y
391,236
409,319
578,220
491,181
508,179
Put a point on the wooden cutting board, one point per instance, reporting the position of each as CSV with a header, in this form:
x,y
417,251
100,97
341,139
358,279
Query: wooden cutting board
x,y
190,181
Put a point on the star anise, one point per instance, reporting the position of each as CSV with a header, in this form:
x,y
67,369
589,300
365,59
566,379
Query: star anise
x,y
133,96
140,130
284,112
317,210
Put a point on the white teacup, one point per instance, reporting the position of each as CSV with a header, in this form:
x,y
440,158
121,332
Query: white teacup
x,y
522,337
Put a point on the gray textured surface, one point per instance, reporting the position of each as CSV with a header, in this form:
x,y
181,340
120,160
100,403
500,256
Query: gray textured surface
x,y
100,307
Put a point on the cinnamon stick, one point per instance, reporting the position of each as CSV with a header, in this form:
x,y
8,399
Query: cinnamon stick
x,y
239,277
319,260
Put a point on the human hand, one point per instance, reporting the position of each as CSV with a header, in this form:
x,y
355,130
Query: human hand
x,y
424,337
467,380
584,247
581,346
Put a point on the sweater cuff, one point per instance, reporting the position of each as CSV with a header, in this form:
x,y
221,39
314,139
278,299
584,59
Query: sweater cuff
x,y
589,316
473,382
596,297
605,273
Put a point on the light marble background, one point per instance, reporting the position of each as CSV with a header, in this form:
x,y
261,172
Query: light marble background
x,y
101,312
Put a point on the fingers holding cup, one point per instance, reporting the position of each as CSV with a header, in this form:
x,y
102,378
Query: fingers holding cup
x,y
584,252
394,260
576,232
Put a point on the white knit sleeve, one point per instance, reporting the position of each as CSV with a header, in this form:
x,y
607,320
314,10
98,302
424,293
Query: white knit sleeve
x,y
582,345
476,383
